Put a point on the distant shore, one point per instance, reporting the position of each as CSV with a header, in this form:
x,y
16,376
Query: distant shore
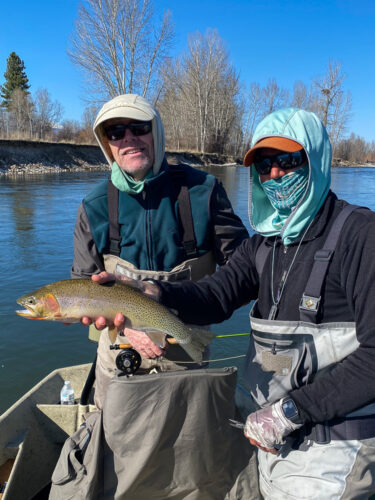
x,y
26,157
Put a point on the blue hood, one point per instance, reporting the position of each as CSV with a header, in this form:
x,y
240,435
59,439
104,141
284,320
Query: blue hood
x,y
305,128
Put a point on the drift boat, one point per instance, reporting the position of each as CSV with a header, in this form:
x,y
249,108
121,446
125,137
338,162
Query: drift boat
x,y
33,430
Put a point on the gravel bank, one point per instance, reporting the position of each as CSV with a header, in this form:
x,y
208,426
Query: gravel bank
x,y
25,158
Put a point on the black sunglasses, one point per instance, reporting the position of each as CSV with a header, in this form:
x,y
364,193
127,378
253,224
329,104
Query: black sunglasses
x,y
117,132
286,161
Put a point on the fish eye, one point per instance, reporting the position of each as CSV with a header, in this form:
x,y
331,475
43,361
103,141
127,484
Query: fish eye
x,y
31,301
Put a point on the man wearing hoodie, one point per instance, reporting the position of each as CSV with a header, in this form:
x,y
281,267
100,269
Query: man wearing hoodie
x,y
310,366
151,220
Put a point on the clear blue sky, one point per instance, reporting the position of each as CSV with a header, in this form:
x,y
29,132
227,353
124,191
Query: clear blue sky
x,y
286,39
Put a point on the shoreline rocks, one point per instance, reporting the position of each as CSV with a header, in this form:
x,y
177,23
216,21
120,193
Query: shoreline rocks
x,y
30,158
26,157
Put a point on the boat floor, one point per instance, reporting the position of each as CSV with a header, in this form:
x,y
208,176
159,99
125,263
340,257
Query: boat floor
x,y
33,430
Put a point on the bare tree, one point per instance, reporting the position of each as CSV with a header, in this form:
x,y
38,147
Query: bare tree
x,y
4,123
118,46
354,149
334,104
254,105
88,118
69,131
304,97
21,112
47,113
200,95
274,96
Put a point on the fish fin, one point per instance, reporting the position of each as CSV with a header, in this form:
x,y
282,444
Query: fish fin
x,y
112,334
156,336
200,338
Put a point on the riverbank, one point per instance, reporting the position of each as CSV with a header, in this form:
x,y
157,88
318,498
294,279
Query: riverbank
x,y
26,157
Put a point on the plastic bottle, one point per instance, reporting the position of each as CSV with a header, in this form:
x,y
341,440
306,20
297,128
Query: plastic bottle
x,y
67,394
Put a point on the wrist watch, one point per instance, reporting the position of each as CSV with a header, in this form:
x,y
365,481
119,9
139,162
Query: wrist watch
x,y
290,410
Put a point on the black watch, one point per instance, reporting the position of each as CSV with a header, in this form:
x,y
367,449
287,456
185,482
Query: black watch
x,y
290,411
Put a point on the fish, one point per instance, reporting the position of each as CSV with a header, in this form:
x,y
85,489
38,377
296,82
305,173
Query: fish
x,y
68,301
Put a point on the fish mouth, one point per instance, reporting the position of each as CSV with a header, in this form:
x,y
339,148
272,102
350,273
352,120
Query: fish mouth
x,y
28,312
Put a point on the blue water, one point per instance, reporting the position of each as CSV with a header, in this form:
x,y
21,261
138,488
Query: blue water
x,y
37,215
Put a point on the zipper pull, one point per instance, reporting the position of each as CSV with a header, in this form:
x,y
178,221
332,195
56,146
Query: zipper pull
x,y
273,312
273,350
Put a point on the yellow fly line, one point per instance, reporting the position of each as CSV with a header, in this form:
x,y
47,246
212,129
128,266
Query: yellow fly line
x,y
232,335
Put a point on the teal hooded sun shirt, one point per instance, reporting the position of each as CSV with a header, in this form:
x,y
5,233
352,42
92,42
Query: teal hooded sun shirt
x,y
268,217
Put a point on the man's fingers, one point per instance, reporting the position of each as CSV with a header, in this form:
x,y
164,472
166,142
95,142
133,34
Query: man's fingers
x,y
86,321
119,320
103,277
101,323
143,344
258,445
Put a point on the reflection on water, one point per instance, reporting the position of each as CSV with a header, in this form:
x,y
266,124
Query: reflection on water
x,y
37,215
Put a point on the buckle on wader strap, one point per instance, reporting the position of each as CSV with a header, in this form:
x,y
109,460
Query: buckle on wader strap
x,y
310,301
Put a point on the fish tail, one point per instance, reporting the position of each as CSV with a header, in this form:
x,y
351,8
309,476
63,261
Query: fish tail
x,y
198,340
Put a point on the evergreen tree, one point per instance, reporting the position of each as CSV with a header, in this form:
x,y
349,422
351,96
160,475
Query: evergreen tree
x,y
15,78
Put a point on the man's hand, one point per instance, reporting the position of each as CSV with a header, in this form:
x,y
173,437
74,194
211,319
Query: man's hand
x,y
266,428
119,322
143,344
139,340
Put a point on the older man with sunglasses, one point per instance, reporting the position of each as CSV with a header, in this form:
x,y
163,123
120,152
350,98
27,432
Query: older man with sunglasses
x,y
310,367
151,220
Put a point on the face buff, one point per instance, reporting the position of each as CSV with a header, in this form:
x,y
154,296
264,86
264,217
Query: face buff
x,y
125,182
285,192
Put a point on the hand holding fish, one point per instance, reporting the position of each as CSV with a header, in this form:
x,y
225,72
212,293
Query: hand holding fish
x,y
68,301
139,340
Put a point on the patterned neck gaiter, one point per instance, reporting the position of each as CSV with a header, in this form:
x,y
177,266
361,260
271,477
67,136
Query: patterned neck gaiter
x,y
284,193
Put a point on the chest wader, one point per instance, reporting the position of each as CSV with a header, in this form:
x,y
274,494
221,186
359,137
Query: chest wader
x,y
160,436
193,268
286,355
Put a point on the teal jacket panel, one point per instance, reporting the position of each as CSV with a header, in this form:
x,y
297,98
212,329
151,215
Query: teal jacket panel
x,y
150,227
306,129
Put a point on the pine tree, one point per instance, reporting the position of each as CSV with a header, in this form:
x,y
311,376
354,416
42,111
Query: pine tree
x,y
15,78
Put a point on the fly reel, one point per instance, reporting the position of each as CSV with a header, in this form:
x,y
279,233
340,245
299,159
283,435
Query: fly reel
x,y
128,360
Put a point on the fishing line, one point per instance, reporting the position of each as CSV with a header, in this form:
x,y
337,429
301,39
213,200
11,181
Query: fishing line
x,y
219,359
207,360
232,335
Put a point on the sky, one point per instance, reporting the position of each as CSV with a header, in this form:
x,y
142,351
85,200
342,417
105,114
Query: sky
x,y
288,40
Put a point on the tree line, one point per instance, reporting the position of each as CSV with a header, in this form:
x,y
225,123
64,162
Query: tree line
x,y
121,46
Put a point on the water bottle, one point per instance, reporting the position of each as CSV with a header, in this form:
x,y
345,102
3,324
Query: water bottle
x,y
67,394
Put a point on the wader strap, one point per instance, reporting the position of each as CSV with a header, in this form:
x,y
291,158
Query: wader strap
x,y
261,255
114,228
189,241
184,206
88,384
310,301
342,429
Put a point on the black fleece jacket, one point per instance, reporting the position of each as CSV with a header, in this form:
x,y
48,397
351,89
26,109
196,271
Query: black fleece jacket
x,y
348,295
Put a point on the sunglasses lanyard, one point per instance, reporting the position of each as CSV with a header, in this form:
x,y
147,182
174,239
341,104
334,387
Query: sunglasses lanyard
x,y
280,290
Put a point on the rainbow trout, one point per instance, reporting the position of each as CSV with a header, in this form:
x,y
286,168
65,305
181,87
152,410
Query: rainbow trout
x,y
67,301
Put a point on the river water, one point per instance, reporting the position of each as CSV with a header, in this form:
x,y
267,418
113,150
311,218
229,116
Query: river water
x,y
37,215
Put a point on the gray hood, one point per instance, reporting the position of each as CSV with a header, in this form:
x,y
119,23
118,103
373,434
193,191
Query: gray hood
x,y
135,107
